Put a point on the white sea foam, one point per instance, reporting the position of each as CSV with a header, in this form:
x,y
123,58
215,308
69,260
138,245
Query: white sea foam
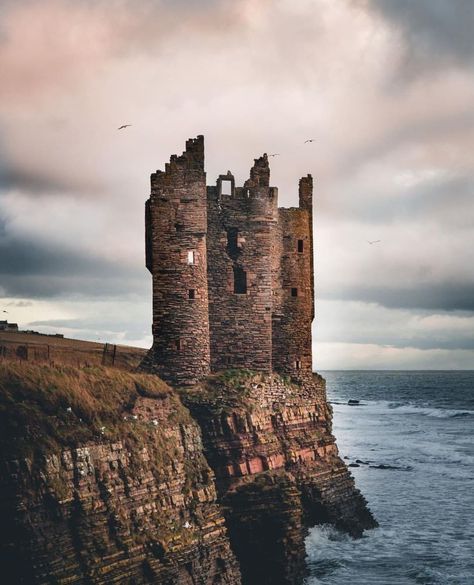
x,y
426,518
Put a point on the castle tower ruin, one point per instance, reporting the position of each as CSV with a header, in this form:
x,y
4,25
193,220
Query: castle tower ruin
x,y
232,272
176,256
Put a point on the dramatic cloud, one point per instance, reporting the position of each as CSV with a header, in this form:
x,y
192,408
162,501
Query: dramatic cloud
x,y
436,33
385,87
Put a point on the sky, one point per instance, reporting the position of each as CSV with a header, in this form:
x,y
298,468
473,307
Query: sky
x,y
385,88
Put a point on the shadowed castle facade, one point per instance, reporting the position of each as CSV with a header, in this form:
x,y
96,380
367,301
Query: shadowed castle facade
x,y
232,272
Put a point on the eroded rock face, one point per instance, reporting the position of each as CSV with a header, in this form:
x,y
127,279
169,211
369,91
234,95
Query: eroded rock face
x,y
134,502
105,477
269,442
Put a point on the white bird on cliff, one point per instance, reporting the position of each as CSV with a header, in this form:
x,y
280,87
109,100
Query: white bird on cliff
x,y
123,126
373,241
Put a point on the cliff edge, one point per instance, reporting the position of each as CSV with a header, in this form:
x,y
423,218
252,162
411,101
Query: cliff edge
x,y
103,480
114,477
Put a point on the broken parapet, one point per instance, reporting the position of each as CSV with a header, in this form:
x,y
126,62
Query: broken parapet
x,y
232,273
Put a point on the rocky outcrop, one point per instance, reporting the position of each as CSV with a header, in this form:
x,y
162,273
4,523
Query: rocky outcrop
x,y
103,480
107,478
269,442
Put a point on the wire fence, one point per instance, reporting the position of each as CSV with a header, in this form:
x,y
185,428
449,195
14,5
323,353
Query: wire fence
x,y
107,354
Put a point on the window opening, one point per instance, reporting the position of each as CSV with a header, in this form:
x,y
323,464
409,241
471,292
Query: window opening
x,y
179,227
191,257
191,294
226,187
240,281
178,345
233,240
298,364
300,246
294,292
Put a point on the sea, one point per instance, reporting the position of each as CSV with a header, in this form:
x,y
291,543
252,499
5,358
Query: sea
x,y
410,444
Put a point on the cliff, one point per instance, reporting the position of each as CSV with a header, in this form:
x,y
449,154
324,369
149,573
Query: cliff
x,y
114,477
103,480
278,472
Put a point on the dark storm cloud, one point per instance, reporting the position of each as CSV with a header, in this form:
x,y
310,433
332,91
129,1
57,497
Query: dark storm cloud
x,y
15,177
393,160
436,32
449,296
39,270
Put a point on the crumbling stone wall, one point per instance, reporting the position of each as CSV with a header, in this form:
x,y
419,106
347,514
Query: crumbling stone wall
x,y
240,238
293,296
245,299
176,254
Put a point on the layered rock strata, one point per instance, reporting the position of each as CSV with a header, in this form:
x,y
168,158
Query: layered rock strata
x,y
103,480
278,472
105,477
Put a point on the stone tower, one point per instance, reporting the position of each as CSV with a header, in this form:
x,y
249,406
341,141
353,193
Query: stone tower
x,y
176,256
242,222
232,272
293,307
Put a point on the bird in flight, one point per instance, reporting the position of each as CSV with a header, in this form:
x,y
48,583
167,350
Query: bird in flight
x,y
373,241
5,311
275,154
123,126
310,140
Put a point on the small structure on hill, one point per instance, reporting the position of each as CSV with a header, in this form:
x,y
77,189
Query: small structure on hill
x,y
6,326
232,272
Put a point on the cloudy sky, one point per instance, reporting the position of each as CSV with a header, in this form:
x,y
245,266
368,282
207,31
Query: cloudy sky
x,y
386,87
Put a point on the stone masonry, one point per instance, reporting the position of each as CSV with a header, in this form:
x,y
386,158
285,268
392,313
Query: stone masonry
x,y
232,272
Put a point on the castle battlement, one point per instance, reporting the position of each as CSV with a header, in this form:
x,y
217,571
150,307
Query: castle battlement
x,y
232,272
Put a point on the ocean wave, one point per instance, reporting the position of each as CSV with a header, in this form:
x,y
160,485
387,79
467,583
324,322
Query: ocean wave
x,y
407,408
430,411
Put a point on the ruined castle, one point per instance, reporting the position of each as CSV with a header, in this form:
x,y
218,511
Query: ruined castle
x,y
232,272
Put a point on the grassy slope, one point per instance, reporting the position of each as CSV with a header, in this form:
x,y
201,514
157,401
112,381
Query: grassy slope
x,y
44,408
74,352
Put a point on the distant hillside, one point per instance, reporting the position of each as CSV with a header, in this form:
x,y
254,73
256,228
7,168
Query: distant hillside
x,y
37,348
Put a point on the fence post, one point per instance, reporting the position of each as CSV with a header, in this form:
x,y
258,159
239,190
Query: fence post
x,y
104,354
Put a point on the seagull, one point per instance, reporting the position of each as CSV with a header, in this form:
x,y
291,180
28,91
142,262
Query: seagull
x,y
373,241
123,126
276,154
310,140
5,311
